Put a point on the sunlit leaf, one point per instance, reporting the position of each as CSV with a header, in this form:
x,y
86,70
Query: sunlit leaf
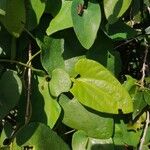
x,y
61,21
114,9
98,89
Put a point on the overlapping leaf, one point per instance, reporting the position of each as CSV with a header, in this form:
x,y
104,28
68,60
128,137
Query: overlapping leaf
x,y
114,9
87,23
76,116
98,89
52,50
63,20
40,137
48,108
34,10
81,141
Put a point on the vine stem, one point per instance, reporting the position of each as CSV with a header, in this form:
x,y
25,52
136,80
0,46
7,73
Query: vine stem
x,y
144,68
142,86
145,131
22,64
32,57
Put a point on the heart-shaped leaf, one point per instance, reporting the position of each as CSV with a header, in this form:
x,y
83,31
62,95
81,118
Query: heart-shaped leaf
x,y
114,9
98,89
76,116
14,18
61,21
86,22
39,137
10,91
60,82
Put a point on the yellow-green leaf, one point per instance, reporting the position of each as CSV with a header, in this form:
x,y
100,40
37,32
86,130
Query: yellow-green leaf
x,y
98,89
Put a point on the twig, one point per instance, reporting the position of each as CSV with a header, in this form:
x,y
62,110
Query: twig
x,y
28,110
32,57
127,42
145,131
69,132
144,68
142,86
22,64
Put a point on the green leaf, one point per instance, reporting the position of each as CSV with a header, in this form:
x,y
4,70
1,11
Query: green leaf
x,y
100,144
15,17
70,65
10,91
124,137
98,89
48,108
40,137
60,82
114,9
129,83
138,103
53,7
104,53
121,31
3,7
79,140
61,21
146,94
147,138
52,50
5,43
5,133
34,11
87,24
76,116
132,138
